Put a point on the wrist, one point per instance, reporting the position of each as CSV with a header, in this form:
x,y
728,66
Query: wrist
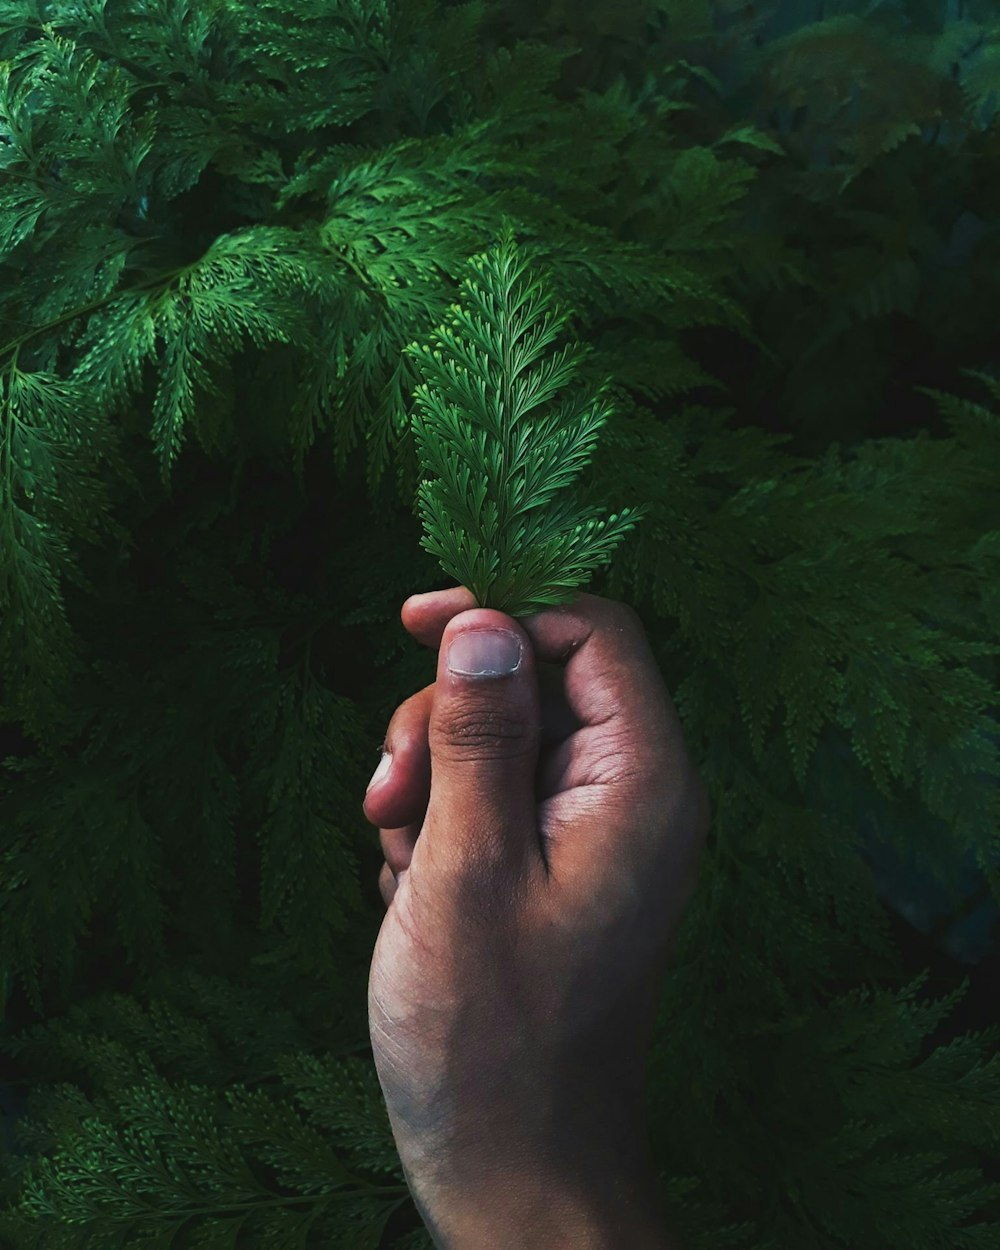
x,y
522,1202
566,1164
520,1216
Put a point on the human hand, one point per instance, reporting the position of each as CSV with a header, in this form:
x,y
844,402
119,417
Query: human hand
x,y
545,829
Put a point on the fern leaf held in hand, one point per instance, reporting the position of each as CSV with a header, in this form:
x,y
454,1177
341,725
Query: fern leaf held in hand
x,y
499,451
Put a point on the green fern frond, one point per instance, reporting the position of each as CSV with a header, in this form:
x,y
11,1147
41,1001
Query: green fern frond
x,y
154,1159
343,1096
487,515
52,442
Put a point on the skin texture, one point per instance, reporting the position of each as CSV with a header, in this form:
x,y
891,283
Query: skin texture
x,y
542,833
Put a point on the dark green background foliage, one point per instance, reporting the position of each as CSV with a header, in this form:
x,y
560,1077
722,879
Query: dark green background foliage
x,y
220,224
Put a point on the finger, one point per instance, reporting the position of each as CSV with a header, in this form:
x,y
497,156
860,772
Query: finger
x,y
412,795
610,676
387,884
437,605
484,735
401,796
425,617
575,632
630,748
397,845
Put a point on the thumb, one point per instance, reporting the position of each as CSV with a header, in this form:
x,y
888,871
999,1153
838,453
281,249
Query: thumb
x,y
484,734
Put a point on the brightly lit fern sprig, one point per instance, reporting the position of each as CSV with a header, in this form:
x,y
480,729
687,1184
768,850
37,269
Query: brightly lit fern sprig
x,y
499,452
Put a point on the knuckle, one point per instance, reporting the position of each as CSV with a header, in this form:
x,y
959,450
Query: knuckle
x,y
409,719
484,733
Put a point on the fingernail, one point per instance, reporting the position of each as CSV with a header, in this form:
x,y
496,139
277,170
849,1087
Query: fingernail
x,y
484,653
380,773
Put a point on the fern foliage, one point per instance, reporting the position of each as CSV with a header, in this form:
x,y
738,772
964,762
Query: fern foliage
x,y
310,305
499,457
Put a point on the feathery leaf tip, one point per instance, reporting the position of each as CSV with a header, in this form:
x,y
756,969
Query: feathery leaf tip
x,y
494,450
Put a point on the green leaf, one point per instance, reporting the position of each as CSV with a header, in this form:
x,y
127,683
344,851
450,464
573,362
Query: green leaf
x,y
490,472
751,136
